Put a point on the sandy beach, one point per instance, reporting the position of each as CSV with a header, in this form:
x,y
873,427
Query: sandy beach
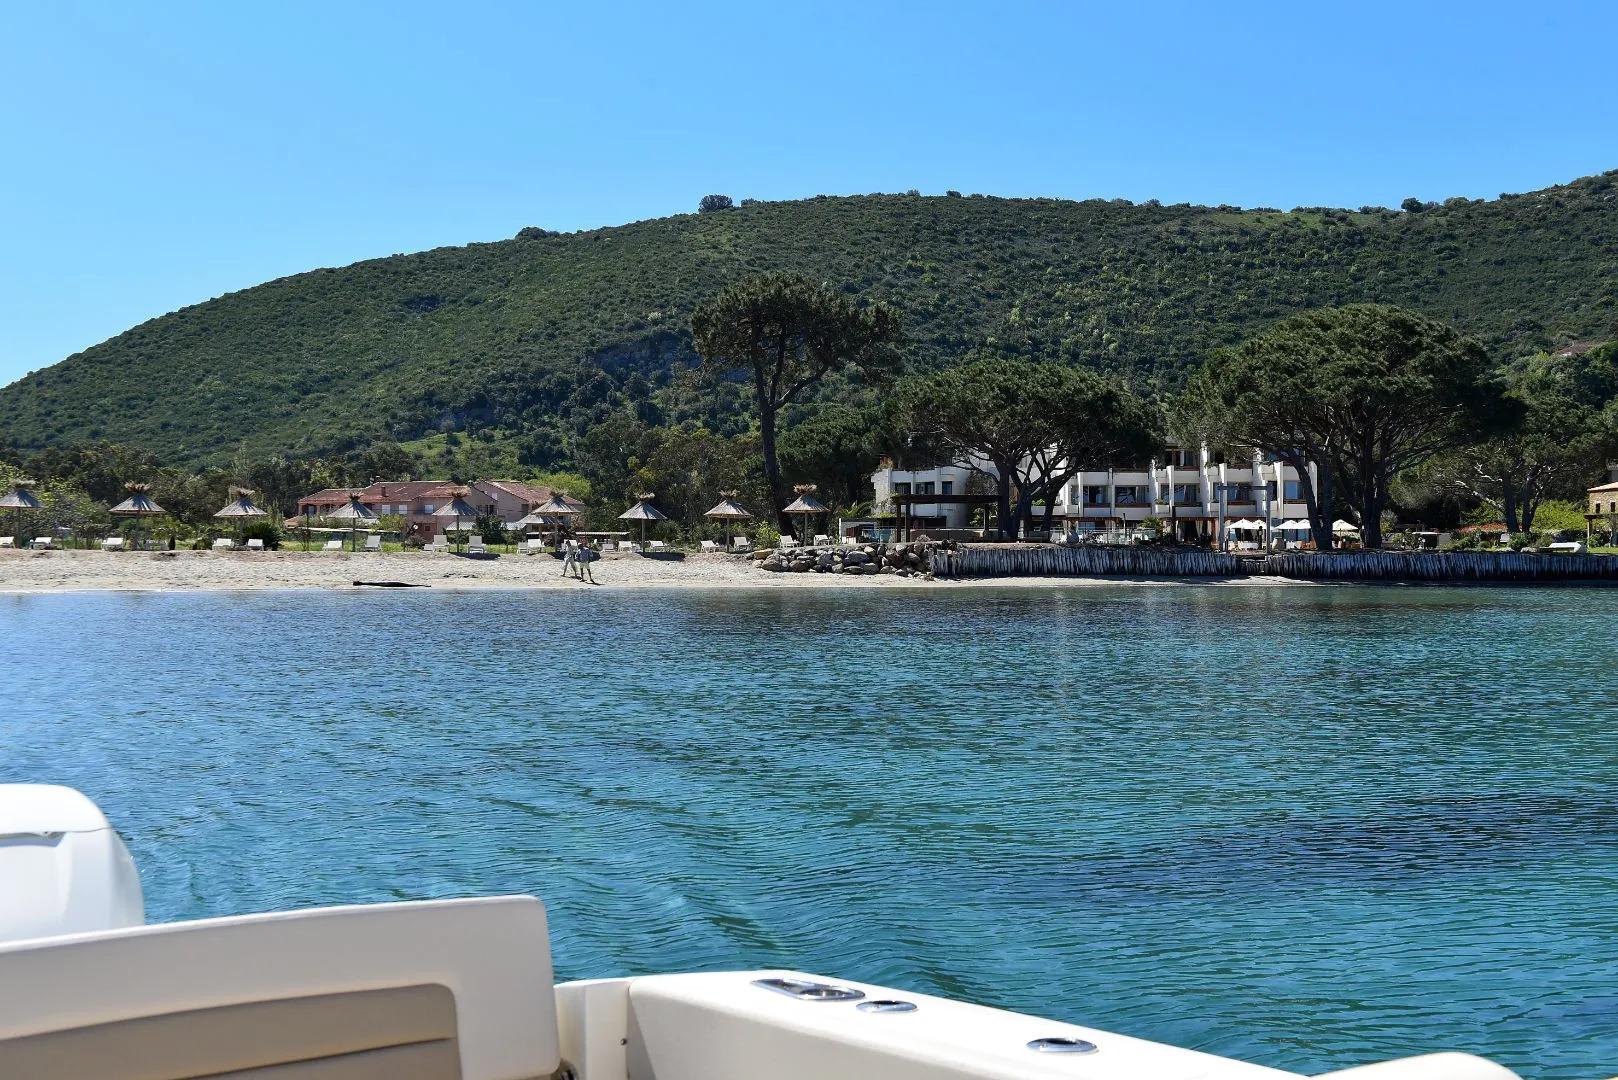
x,y
60,571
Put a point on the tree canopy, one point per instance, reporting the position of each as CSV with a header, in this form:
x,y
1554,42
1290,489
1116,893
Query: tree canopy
x,y
1036,424
786,333
1363,392
1569,403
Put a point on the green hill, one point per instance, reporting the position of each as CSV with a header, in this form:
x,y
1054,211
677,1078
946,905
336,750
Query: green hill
x,y
539,337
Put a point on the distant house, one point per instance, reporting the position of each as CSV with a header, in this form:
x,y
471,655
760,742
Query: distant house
x,y
416,500
1602,504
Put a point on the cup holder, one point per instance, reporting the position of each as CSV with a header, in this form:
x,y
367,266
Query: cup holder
x,y
1062,1044
805,990
884,1005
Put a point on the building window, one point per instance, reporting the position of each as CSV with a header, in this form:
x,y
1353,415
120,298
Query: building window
x,y
427,508
1292,491
924,487
946,487
900,487
1130,495
1181,459
1241,493
1184,494
1095,495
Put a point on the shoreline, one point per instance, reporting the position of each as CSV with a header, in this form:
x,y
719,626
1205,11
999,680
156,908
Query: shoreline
x,y
25,573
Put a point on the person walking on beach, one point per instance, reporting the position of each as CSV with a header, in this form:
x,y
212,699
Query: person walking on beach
x,y
570,554
586,558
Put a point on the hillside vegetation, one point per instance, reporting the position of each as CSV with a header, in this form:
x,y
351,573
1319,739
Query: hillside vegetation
x,y
533,341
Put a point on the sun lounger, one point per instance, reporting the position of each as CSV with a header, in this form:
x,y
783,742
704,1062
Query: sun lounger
x,y
656,545
333,545
224,543
111,543
632,546
821,539
709,545
42,543
255,545
8,541
373,542
475,547
788,541
741,543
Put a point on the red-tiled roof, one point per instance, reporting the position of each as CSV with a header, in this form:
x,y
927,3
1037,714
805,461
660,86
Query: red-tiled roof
x,y
532,493
329,496
399,490
409,491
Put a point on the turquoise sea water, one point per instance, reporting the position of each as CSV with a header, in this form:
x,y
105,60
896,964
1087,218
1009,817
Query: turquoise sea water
x,y
1305,827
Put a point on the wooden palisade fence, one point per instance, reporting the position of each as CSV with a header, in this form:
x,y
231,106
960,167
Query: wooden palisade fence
x,y
1039,560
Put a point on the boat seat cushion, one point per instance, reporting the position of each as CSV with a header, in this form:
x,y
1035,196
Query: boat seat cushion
x,y
431,989
399,1031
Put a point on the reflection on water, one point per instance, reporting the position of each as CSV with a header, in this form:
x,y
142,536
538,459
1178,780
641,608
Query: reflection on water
x,y
1306,827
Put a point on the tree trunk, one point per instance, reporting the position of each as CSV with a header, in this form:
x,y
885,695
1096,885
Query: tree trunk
x,y
1508,504
1371,516
1007,523
772,468
1025,508
1316,504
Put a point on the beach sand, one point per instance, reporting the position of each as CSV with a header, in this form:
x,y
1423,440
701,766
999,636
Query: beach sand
x,y
61,571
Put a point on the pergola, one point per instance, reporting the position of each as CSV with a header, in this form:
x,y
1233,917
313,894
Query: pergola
x,y
903,503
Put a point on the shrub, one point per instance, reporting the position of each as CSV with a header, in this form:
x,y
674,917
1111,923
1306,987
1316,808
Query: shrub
x,y
267,531
711,203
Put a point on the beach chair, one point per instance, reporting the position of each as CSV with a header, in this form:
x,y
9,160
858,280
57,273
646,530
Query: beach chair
x,y
656,545
255,545
440,543
333,545
709,545
632,546
475,547
42,543
8,541
113,543
821,539
224,543
373,542
741,543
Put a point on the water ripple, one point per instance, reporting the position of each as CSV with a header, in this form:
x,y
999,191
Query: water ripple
x,y
1309,828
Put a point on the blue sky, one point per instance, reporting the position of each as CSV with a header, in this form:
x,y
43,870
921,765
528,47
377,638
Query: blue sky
x,y
160,154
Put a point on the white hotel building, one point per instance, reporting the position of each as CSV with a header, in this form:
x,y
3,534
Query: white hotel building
x,y
1186,490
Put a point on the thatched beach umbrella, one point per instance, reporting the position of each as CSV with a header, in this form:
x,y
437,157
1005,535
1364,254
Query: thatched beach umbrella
x,y
729,511
138,505
643,511
354,513
19,501
556,510
457,508
241,509
805,505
